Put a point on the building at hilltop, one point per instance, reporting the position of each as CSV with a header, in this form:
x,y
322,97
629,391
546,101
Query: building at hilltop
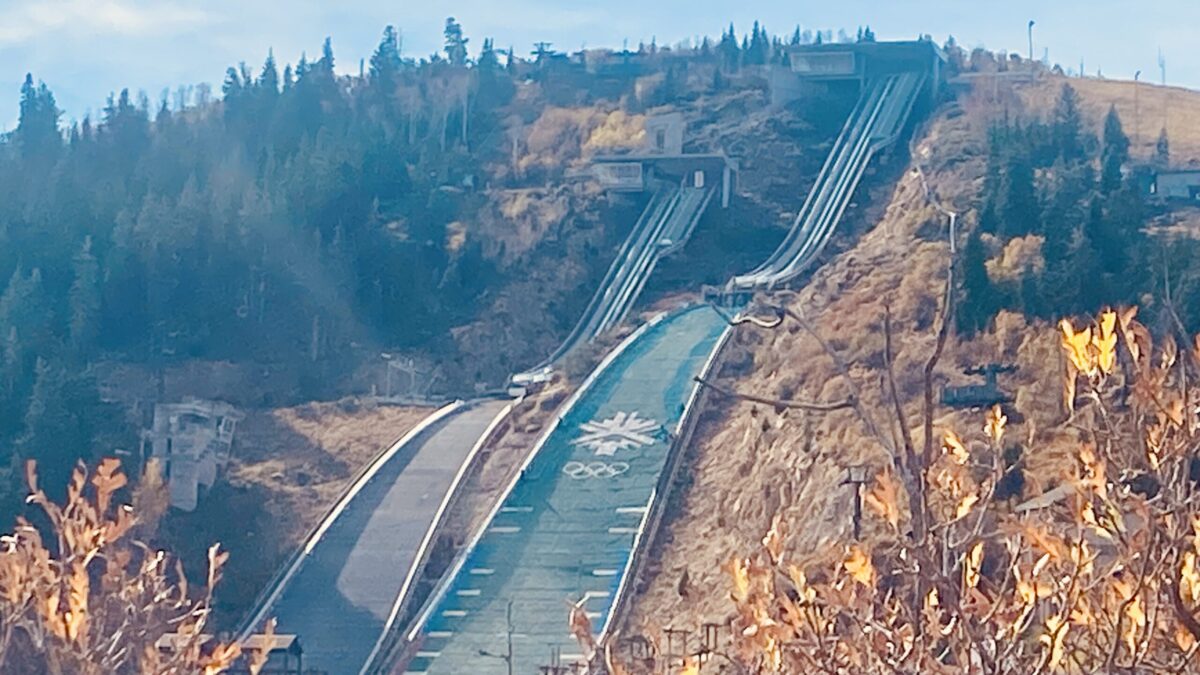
x,y
820,66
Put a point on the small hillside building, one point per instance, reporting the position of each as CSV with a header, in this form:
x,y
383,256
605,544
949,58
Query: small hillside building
x,y
192,440
1177,184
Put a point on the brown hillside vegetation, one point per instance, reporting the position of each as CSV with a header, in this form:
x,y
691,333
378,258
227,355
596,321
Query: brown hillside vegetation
x,y
754,461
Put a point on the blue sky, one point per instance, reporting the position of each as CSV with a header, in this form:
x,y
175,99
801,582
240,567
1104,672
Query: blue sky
x,y
84,49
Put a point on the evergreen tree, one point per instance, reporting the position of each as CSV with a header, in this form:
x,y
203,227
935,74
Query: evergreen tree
x,y
37,135
385,62
758,50
979,301
456,44
1121,243
1162,151
1018,208
1066,129
325,65
268,80
1115,153
1086,287
84,300
231,88
731,54
25,309
1066,245
487,57
60,424
12,380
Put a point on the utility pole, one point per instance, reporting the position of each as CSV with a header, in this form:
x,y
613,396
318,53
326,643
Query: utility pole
x,y
1137,111
1031,22
507,657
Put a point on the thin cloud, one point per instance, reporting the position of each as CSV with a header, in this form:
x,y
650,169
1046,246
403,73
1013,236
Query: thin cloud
x,y
95,17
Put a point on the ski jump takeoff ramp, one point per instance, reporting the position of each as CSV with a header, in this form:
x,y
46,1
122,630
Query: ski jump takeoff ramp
x,y
568,526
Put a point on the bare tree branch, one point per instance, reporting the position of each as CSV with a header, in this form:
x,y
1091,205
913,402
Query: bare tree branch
x,y
777,402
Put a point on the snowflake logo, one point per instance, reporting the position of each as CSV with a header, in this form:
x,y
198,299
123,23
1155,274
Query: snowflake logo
x,y
622,431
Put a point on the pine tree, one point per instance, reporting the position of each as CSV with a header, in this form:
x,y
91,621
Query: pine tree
x,y
1115,153
25,308
84,300
12,375
231,88
1087,285
385,62
1017,208
325,65
758,50
1063,222
1066,129
978,304
1162,151
37,134
58,424
456,44
1121,243
487,57
268,80
729,50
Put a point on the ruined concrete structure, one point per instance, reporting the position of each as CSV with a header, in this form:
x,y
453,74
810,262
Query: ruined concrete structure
x,y
193,440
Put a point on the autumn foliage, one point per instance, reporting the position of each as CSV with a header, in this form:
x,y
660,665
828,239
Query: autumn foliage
x,y
81,595
1099,573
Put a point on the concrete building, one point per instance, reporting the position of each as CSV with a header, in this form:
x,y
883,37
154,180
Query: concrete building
x,y
1177,184
815,67
662,158
193,440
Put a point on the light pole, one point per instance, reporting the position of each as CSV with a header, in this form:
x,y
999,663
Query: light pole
x,y
1137,110
1031,22
508,656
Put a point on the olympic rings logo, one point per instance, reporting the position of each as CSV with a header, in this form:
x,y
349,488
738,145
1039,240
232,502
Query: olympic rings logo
x,y
581,471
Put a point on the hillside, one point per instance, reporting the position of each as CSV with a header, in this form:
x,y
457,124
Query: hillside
x,y
750,461
337,255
